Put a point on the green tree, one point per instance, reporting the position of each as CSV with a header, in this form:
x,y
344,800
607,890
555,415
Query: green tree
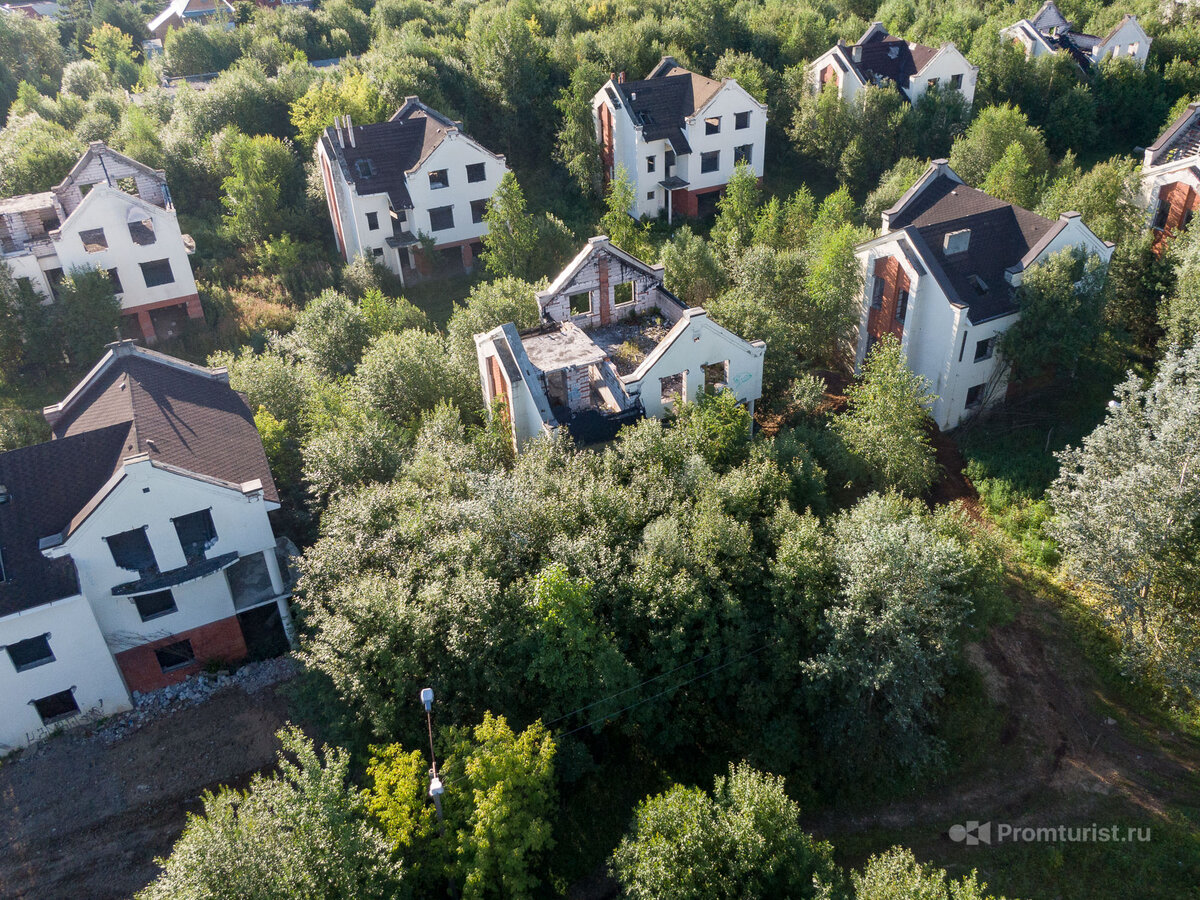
x,y
29,51
113,50
750,72
1012,179
987,139
200,49
616,222
888,422
1180,311
253,190
331,334
1062,300
743,840
300,833
512,238
1106,197
896,875
890,637
1127,512
353,95
489,305
84,78
576,147
823,126
737,214
405,373
718,427
892,186
35,154
691,271
89,314
29,335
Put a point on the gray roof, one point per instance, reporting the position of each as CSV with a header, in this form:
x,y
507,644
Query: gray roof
x,y
661,101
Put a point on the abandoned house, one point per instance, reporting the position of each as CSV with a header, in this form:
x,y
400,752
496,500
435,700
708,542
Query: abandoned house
x,y
1050,32
1171,175
135,545
678,137
942,277
113,214
614,346
880,59
417,175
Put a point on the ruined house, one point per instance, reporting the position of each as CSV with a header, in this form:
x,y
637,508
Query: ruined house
x,y
614,346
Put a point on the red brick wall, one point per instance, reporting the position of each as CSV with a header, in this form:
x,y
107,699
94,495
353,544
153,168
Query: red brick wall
x,y
1178,199
219,640
883,320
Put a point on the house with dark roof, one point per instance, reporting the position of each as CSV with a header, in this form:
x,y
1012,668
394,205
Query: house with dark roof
x,y
1171,174
678,137
1049,31
882,60
113,214
418,175
179,13
614,346
942,278
135,546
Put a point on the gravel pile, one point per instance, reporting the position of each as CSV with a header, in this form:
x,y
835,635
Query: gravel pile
x,y
153,705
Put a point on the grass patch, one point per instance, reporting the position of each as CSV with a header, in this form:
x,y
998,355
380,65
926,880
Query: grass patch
x,y
437,297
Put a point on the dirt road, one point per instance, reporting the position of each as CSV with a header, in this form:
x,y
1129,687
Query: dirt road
x,y
81,818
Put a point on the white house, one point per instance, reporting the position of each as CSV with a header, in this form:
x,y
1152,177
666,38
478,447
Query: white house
x,y
615,346
678,136
113,214
417,174
941,278
182,12
879,59
135,545
1171,174
1050,32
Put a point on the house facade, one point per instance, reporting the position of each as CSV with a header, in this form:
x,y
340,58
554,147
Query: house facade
x,y
1050,32
941,279
881,59
416,175
135,546
615,346
1171,175
678,137
183,12
113,214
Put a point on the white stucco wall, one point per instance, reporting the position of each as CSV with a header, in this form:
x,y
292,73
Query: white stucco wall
x,y
1129,42
694,342
948,63
81,661
454,154
149,496
111,209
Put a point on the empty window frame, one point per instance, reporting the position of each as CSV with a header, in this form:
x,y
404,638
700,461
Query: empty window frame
x,y
623,293
197,534
649,195
156,605
956,82
478,210
158,272
115,280
377,252
901,305
57,707
175,656
131,550
877,292
711,161
712,125
438,179
142,232
93,240
1161,214
372,221
741,121
250,580
984,349
651,162
441,218
933,82
716,376
476,173
743,154
669,160
31,652
671,388
975,396
580,303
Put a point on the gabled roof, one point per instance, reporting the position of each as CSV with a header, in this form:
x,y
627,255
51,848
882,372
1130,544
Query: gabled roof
x,y
179,414
1180,140
1002,238
661,101
389,151
45,486
883,57
595,246
189,9
1050,18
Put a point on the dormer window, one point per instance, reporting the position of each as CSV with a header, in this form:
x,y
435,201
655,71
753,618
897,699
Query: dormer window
x,y
647,117
978,283
364,167
439,179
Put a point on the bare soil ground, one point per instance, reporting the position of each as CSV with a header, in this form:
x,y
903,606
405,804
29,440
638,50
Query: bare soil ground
x,y
81,818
